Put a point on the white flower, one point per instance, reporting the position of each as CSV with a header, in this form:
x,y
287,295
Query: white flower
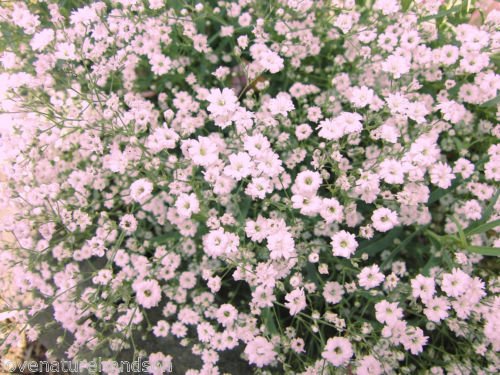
x,y
384,219
140,190
338,351
343,244
187,205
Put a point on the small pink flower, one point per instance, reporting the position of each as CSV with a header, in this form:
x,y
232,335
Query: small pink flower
x,y
344,244
370,277
187,205
384,219
338,351
260,352
148,293
140,190
296,301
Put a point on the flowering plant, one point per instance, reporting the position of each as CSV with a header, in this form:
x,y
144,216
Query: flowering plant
x,y
312,184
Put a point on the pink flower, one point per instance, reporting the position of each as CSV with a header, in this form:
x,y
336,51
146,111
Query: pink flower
x,y
260,352
303,131
271,61
140,190
219,242
128,223
307,183
202,151
159,363
263,296
384,219
259,187
387,6
66,51
205,332
297,344
441,175
436,309
161,139
160,64
414,340
256,144
336,128
331,210
455,284
344,244
361,96
396,66
148,293
308,206
222,102
370,277
423,287
392,171
240,166
333,292
281,245
187,205
463,167
281,105
388,313
296,301
452,111
42,39
338,351
369,365
161,329
226,314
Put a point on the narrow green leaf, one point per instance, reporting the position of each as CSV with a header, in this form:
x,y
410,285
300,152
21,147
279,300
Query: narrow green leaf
x,y
244,206
495,58
437,239
443,13
406,4
484,250
492,103
400,247
483,228
466,7
268,320
491,206
433,261
374,247
439,193
461,233
486,215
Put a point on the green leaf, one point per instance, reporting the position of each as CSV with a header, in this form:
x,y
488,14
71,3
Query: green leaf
x,y
268,320
244,206
466,7
491,206
461,234
400,247
405,4
164,238
486,215
484,250
482,228
433,261
443,13
435,238
492,103
439,193
495,58
372,248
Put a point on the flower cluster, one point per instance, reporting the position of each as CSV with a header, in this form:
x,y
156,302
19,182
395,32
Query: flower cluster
x,y
311,185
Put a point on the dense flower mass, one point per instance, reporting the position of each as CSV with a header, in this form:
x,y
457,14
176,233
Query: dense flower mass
x,y
311,186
